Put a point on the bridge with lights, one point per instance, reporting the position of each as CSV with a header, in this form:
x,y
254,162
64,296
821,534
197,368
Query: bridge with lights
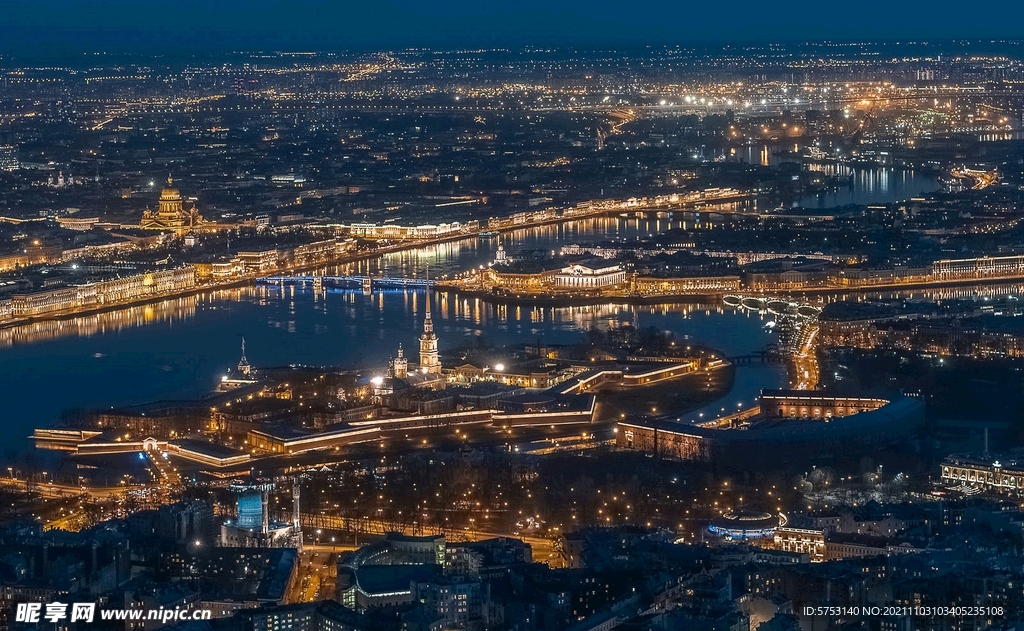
x,y
774,306
348,282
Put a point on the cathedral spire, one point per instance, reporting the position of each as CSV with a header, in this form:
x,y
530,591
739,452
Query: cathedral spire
x,y
430,362
243,364
428,322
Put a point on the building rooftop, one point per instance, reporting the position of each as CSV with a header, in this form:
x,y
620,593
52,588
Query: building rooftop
x,y
385,579
799,430
215,450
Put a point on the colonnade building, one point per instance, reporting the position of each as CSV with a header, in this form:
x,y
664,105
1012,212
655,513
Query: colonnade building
x,y
114,290
983,475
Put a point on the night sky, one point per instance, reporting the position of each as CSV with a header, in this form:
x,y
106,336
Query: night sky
x,y
183,25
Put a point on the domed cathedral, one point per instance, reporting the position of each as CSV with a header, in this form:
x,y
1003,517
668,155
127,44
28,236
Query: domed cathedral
x,y
172,215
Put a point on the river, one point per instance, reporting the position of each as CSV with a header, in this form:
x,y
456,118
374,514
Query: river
x,y
868,185
179,348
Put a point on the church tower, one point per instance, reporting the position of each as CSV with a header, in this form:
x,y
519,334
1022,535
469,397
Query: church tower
x,y
243,365
430,362
400,365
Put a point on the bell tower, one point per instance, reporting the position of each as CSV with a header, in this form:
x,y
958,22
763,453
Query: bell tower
x,y
430,361
400,365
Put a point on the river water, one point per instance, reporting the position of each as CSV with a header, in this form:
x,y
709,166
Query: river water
x,y
867,185
180,348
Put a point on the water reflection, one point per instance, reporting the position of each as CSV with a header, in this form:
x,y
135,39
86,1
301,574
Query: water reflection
x,y
104,323
932,294
293,302
859,185
748,382
179,349
868,186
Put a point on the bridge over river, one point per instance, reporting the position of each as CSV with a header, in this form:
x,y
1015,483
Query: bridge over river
x,y
348,282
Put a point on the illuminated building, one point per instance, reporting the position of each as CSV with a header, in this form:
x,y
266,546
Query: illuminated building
x,y
250,510
745,525
37,303
288,441
326,615
258,262
13,261
105,250
284,440
590,274
696,284
143,285
243,364
397,232
788,425
785,274
862,277
430,361
844,546
254,528
468,373
627,376
79,224
983,267
105,292
243,375
171,214
983,475
500,257
8,158
383,573
400,365
501,276
814,405
802,541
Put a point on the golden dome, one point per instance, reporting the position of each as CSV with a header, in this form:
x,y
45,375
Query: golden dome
x,y
170,194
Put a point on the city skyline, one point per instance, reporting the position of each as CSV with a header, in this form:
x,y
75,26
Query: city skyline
x,y
70,26
466,337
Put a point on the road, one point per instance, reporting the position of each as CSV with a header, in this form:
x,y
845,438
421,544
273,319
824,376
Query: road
x,y
805,361
979,179
316,575
50,490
